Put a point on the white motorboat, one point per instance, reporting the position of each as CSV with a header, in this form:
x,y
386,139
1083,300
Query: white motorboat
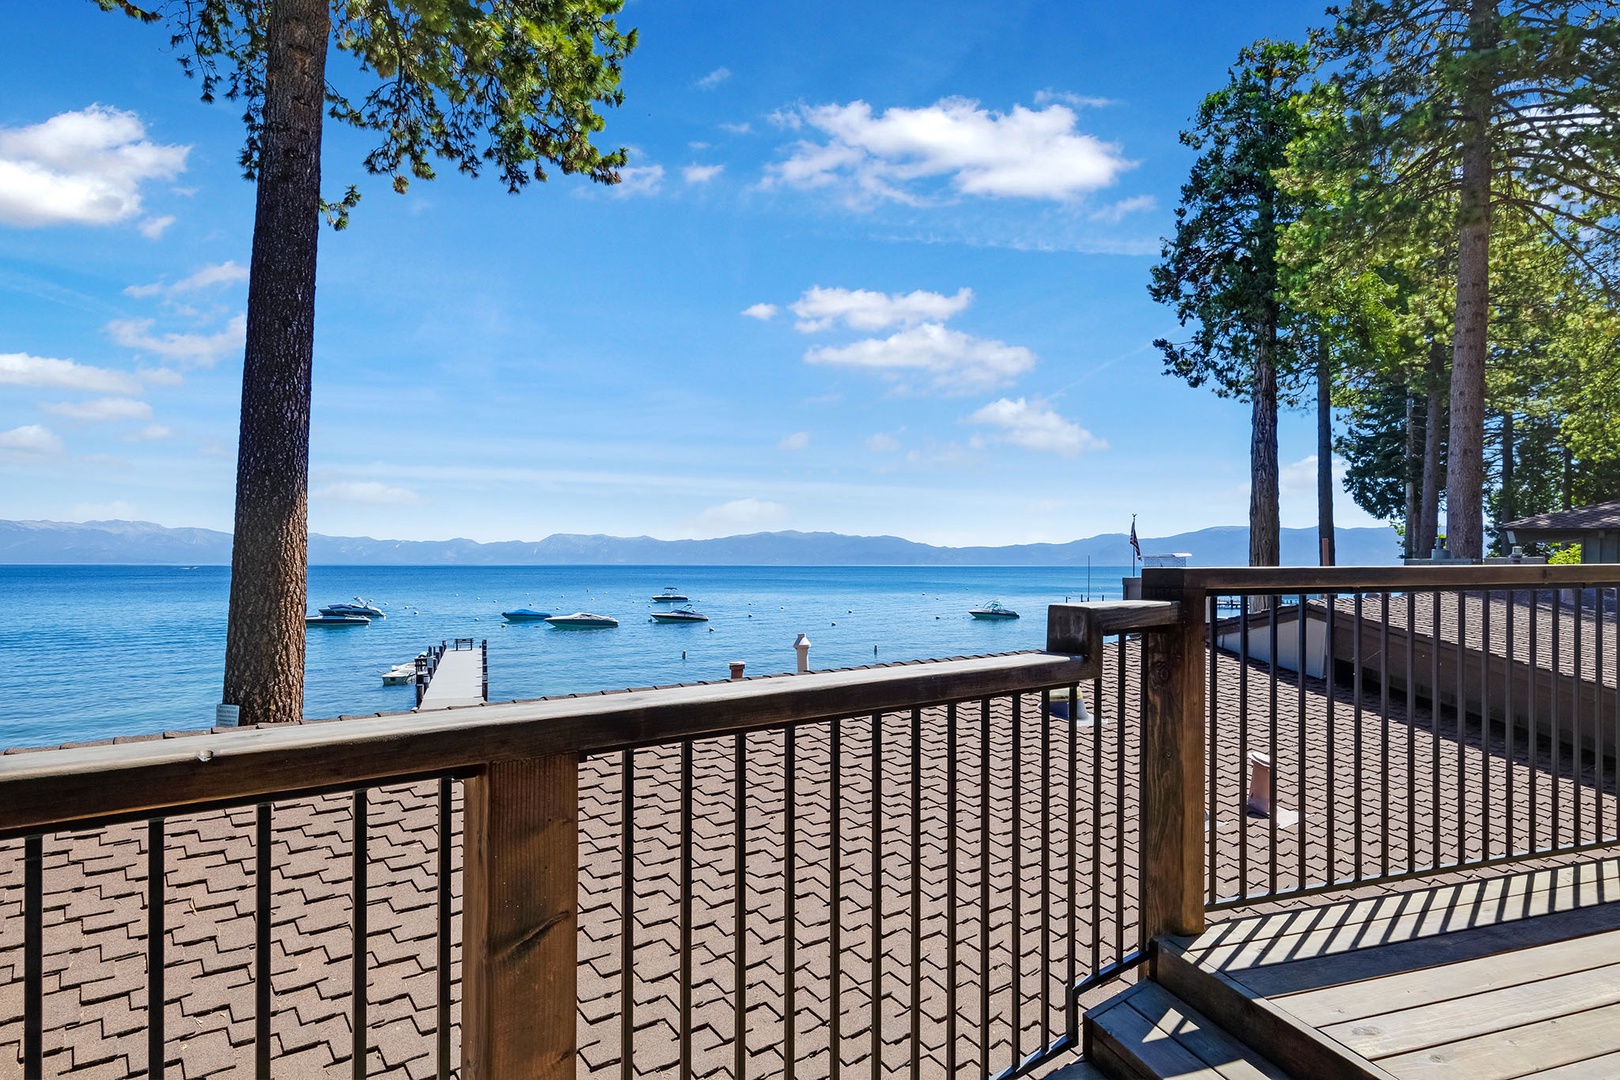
x,y
671,596
360,607
325,619
679,615
993,610
524,614
582,620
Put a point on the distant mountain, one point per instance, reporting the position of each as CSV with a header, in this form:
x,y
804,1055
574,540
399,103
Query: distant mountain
x,y
141,542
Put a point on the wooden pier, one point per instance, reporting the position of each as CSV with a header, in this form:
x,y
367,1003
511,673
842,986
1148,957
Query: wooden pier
x,y
458,675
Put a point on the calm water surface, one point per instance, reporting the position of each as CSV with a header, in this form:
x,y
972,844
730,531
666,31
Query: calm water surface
x,y
89,652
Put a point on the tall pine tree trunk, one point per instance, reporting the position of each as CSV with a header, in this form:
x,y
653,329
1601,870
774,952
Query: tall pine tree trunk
x,y
1414,478
1264,516
264,645
1324,454
1433,431
1509,506
1465,457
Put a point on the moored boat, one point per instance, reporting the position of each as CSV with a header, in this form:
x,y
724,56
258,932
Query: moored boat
x,y
524,614
679,615
671,596
361,607
325,619
582,620
993,610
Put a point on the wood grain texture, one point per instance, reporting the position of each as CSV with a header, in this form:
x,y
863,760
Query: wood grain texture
x,y
1172,840
520,936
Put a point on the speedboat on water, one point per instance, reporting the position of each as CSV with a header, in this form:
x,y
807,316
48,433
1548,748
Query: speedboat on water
x,y
326,618
370,611
685,614
671,596
524,614
400,674
993,610
582,620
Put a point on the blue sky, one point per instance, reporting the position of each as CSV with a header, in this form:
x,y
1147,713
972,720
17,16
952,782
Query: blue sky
x,y
873,269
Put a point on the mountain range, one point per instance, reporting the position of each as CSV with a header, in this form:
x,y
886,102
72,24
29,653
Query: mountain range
x,y
145,543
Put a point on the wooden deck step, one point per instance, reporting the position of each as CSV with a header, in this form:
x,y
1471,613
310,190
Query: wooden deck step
x,y
1148,1033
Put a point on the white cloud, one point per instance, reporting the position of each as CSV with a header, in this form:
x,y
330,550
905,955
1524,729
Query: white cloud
x,y
1025,153
185,350
150,433
762,312
81,168
1079,101
882,443
701,174
1034,426
20,369
225,273
743,513
743,128
154,228
799,440
30,439
639,180
101,409
860,309
1116,212
714,78
956,362
369,492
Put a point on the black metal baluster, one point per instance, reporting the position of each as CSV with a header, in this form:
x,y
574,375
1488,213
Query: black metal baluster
x,y
1434,725
835,901
984,887
739,910
1577,726
1462,732
1119,806
1071,1001
627,914
446,899
1243,746
1383,739
155,961
1212,785
1485,724
1411,734
261,943
950,890
877,897
916,891
1357,808
1272,749
359,1028
1301,871
1096,824
1046,865
1509,717
685,1026
790,899
1331,690
1017,845
1532,738
1556,784
33,1058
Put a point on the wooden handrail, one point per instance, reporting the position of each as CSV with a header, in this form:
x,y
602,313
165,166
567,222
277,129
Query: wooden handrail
x,y
51,789
1162,582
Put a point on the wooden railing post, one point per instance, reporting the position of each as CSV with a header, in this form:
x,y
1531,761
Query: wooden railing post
x,y
1173,795
519,953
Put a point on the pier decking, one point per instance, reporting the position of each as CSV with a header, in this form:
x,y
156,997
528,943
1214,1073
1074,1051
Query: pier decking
x,y
458,678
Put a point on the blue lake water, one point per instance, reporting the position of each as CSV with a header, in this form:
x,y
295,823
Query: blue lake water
x,y
89,652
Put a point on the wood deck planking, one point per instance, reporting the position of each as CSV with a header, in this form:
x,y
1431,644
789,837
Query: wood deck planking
x,y
1523,1050
1372,998
1479,1010
458,680
1291,937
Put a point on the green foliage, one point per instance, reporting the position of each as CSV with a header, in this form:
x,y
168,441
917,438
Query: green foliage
x,y
1220,272
1568,555
513,84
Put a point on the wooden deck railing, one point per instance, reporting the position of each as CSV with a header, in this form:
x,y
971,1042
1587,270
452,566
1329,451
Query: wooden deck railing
x,y
902,843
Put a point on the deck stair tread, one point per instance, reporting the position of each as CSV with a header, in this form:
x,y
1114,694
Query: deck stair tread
x,y
1147,1033
1487,980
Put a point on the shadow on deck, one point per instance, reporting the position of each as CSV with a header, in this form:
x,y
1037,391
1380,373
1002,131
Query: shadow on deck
x,y
1507,977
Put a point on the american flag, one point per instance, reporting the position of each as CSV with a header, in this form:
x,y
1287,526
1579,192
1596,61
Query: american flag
x,y
1135,547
